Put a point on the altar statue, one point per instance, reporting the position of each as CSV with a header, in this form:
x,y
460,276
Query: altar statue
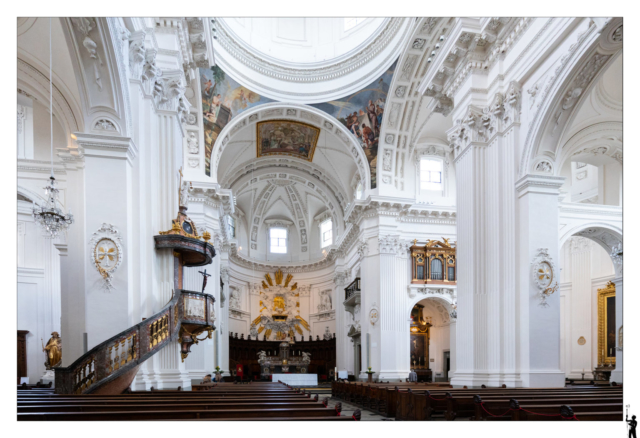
x,y
53,350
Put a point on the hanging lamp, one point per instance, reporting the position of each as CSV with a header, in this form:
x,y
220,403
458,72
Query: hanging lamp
x,y
49,215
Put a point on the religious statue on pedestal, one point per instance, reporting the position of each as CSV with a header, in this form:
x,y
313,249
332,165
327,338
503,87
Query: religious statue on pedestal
x,y
53,349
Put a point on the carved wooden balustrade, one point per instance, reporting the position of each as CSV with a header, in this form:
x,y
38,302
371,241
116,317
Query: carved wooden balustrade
x,y
117,359
352,289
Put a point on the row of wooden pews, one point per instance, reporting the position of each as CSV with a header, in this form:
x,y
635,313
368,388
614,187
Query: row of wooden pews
x,y
263,401
424,402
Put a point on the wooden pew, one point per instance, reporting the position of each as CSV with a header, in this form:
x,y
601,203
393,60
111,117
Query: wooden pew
x,y
591,412
111,407
497,409
133,415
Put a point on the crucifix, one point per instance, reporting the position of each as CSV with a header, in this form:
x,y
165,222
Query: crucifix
x,y
204,279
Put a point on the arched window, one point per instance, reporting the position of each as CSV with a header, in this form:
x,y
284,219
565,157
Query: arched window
x,y
326,233
359,190
430,175
436,269
278,238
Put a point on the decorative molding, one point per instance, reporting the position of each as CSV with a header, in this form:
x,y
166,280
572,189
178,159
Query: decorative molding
x,y
102,257
543,274
85,25
192,142
374,314
235,47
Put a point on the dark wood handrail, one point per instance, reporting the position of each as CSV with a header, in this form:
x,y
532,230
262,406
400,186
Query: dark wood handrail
x,y
139,342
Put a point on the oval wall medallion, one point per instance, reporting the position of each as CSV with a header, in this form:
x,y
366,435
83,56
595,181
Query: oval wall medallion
x,y
582,340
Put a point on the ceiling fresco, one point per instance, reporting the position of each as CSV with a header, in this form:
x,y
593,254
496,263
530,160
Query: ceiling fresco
x,y
361,113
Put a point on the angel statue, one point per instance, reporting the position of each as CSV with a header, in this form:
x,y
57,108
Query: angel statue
x,y
306,357
262,356
53,350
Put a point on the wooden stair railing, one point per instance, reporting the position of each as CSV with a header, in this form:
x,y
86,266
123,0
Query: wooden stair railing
x,y
110,367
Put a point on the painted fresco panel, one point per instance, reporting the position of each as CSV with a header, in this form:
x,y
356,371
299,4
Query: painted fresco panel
x,y
222,99
284,137
362,113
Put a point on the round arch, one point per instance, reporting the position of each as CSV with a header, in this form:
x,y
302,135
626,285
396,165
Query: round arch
x,y
578,72
605,235
591,140
444,300
300,112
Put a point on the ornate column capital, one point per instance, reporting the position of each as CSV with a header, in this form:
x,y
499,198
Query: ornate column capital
x,y
387,244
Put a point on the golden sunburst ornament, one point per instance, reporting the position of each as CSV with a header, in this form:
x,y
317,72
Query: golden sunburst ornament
x,y
279,307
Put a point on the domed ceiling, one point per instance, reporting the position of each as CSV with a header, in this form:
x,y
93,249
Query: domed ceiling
x,y
307,60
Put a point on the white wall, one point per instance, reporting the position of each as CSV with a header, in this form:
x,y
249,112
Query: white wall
x,y
38,290
586,267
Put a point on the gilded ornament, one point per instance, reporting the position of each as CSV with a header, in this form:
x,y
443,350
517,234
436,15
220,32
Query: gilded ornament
x,y
53,349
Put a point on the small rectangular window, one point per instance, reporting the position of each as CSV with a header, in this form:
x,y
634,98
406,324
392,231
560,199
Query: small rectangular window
x,y
232,226
278,238
430,174
326,233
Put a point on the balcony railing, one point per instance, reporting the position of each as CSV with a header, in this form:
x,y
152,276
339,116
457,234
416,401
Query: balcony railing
x,y
352,289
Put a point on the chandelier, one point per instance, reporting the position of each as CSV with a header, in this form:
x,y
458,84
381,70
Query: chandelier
x,y
49,216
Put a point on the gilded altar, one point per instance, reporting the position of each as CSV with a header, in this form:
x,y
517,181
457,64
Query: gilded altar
x,y
284,362
279,308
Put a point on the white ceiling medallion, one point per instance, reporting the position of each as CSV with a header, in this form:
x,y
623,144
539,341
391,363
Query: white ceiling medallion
x,y
106,253
543,273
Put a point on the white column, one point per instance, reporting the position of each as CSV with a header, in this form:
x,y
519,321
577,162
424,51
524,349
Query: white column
x,y
580,309
342,341
617,373
73,268
392,349
484,141
539,326
452,347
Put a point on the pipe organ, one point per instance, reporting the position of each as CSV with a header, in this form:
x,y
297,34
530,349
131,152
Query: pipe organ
x,y
433,263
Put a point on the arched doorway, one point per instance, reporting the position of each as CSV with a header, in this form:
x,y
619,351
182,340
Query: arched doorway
x,y
429,338
591,303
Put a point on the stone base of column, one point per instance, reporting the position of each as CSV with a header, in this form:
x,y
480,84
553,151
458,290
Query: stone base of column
x,y
171,379
616,376
143,381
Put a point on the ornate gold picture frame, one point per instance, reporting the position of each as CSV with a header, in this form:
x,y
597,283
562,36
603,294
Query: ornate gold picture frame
x,y
607,325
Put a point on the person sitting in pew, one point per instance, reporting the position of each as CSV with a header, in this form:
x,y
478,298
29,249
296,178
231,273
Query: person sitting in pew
x,y
207,379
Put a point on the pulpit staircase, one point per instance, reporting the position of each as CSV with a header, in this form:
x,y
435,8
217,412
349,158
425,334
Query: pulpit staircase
x,y
109,367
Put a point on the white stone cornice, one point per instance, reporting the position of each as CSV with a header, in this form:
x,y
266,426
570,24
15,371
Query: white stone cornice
x,y
542,184
328,315
404,210
106,146
39,166
216,195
